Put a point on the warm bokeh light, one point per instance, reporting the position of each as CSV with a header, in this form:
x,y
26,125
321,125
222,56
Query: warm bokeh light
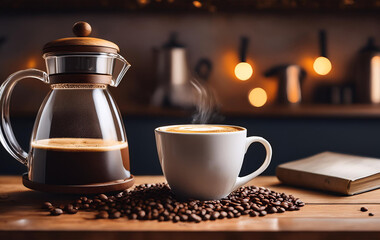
x,y
197,4
31,63
243,71
143,2
322,65
257,97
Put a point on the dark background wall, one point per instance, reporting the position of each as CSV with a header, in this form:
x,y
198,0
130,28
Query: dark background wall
x,y
291,139
274,39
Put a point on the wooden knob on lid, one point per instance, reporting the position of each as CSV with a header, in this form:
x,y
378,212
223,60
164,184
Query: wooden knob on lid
x,y
82,29
80,43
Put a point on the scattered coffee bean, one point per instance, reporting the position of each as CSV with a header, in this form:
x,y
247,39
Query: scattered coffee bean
x,y
157,202
70,209
56,212
102,215
363,209
47,205
371,214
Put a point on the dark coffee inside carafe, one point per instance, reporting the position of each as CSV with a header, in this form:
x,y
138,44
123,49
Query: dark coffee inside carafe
x,y
78,161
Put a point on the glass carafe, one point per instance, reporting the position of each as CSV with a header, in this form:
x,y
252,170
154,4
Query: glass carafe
x,y
78,137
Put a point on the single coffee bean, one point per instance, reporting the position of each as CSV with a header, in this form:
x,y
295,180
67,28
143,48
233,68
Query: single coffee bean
x,y
215,215
363,209
184,218
285,205
253,214
206,217
176,219
371,214
272,210
56,212
115,215
246,212
103,197
263,213
281,210
223,214
239,208
68,207
195,218
102,215
47,206
71,210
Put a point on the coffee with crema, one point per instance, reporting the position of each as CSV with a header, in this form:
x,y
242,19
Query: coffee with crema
x,y
78,161
199,128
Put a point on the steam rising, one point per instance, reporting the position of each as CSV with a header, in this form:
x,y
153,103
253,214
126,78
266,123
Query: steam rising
x,y
206,104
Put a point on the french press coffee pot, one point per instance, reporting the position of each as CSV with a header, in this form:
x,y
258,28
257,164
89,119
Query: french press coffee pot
x,y
78,144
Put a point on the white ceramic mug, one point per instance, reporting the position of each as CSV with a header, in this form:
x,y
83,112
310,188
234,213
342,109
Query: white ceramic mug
x,y
206,165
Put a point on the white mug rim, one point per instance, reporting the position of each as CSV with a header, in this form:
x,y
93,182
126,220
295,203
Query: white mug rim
x,y
200,133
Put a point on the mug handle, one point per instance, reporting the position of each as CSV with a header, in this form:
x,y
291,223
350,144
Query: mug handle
x,y
7,136
240,181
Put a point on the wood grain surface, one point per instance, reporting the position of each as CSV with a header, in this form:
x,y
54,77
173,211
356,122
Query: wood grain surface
x,y
325,216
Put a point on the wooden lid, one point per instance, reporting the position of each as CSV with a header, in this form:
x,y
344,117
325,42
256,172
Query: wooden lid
x,y
81,43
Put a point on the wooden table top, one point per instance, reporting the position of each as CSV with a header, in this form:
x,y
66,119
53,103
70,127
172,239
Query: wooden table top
x,y
325,216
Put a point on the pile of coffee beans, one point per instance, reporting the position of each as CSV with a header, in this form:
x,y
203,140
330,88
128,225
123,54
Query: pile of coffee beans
x,y
157,202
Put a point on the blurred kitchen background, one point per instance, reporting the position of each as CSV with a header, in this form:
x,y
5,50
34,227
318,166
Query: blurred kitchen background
x,y
301,105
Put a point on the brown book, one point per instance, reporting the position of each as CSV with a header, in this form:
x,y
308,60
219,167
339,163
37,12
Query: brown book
x,y
335,172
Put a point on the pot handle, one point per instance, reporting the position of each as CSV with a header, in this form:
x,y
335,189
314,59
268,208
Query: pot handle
x,y
7,136
125,68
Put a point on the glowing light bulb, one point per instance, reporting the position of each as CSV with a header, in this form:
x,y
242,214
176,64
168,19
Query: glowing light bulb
x,y
197,4
257,97
322,65
243,71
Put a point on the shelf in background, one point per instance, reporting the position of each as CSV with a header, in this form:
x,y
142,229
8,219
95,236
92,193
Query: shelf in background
x,y
310,111
272,111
